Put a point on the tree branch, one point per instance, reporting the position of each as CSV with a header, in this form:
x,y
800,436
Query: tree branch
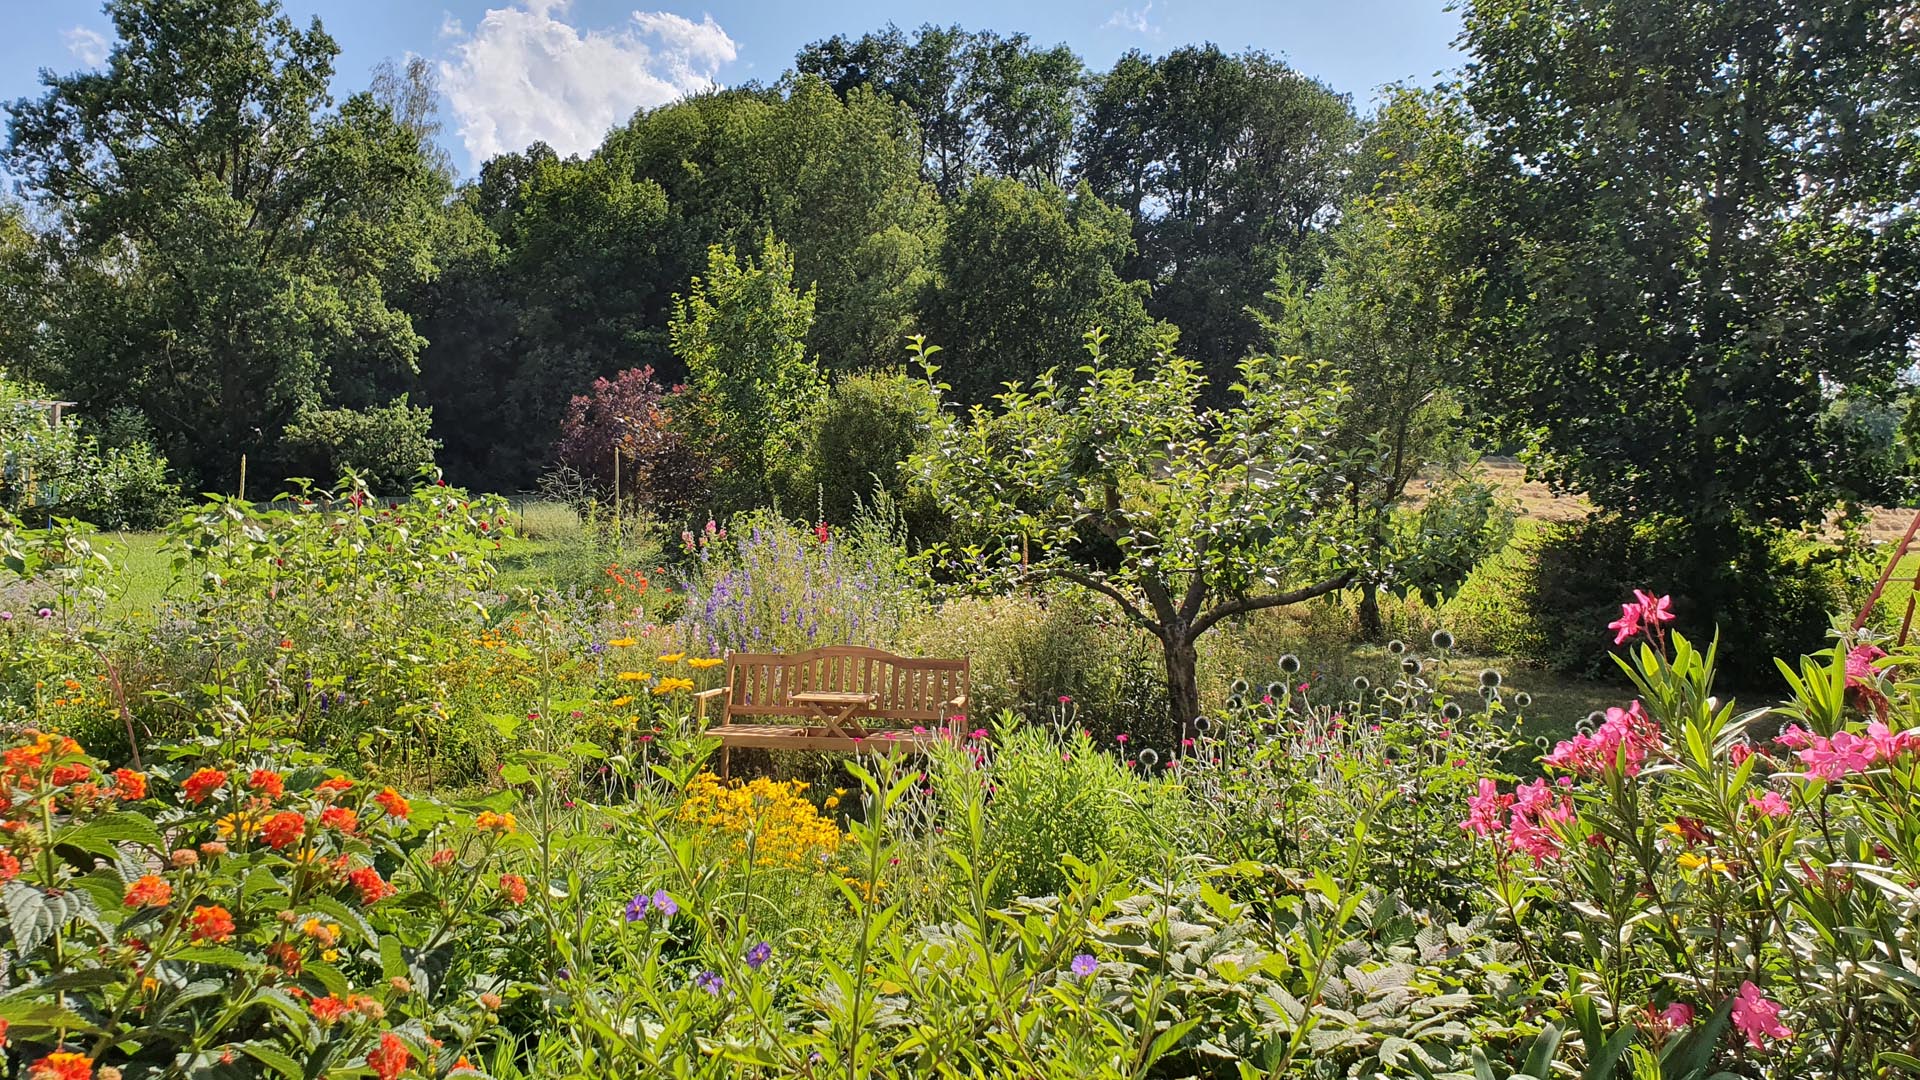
x,y
1244,604
1132,611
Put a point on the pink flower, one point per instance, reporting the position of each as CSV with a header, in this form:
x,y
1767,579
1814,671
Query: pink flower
x,y
1863,679
1538,842
1838,757
1739,754
1888,744
1623,741
1772,804
1676,1015
1794,737
1627,625
1486,812
1654,611
1757,1018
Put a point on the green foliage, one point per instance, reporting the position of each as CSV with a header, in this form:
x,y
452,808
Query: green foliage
x,y
1052,800
741,330
62,471
1548,598
387,445
859,438
1024,273
229,244
1228,165
1679,237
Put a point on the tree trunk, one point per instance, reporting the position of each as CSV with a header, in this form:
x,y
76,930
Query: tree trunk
x,y
1372,627
1183,683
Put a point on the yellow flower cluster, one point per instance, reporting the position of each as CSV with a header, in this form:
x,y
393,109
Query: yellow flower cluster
x,y
788,830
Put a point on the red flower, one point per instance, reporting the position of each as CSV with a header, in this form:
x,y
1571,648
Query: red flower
x,y
391,1058
9,866
327,789
339,817
514,887
373,888
70,774
150,891
212,924
391,802
329,1010
62,1066
131,785
202,784
283,830
822,533
268,783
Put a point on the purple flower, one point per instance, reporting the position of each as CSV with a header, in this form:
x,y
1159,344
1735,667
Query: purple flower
x,y
710,981
758,955
45,613
664,904
637,907
6,616
1085,965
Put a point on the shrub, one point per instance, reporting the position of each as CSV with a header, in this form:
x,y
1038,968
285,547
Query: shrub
x,y
1053,797
630,416
388,445
859,437
1562,585
64,472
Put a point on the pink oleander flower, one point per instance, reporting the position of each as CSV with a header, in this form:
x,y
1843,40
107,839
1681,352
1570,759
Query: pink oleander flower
x,y
1627,626
1486,812
1838,757
1539,842
1677,1015
1794,737
1624,741
1863,679
1758,1018
1772,804
1654,611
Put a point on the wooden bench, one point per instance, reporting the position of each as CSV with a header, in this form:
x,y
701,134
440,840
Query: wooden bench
x,y
843,699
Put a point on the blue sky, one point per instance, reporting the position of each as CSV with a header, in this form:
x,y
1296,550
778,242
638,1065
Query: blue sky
x,y
567,70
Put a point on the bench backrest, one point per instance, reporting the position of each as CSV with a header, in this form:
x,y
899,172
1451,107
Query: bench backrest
x,y
909,689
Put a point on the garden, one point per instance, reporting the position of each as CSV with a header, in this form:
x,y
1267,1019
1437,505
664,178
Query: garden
x,y
1430,585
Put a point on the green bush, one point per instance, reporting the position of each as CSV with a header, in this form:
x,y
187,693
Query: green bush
x,y
1051,795
63,471
1548,596
389,445
859,436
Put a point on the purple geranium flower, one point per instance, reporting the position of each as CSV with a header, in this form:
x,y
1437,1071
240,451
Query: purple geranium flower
x,y
710,981
1085,965
637,907
758,955
664,904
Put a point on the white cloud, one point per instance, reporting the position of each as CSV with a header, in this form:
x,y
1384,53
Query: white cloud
x,y
87,46
525,74
1134,19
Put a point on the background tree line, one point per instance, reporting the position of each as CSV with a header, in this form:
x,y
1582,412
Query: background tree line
x,y
1666,248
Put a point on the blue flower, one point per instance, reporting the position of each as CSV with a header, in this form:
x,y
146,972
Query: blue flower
x,y
1085,965
758,955
710,981
664,904
637,907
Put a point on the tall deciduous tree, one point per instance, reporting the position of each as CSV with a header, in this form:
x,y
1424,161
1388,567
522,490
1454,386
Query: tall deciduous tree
x,y
1384,315
1698,226
1024,273
1229,165
741,330
228,242
1128,485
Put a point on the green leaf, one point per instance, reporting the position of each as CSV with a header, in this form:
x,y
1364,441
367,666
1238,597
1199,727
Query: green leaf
x,y
123,827
273,1059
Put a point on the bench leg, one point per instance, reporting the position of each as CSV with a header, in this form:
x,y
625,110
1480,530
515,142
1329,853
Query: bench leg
x,y
726,761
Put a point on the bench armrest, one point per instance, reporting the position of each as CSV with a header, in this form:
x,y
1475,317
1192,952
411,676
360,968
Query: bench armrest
x,y
957,703
703,697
